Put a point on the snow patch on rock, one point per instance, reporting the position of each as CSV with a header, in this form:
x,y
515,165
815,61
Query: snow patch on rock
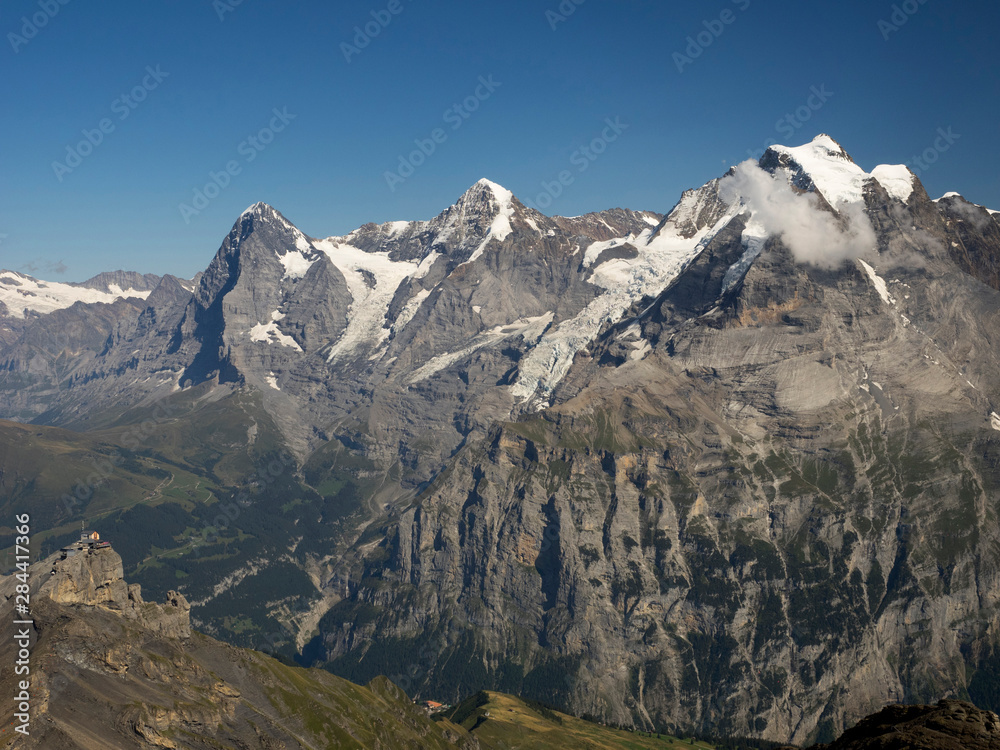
x,y
897,180
754,238
501,227
531,329
661,259
879,283
410,309
269,333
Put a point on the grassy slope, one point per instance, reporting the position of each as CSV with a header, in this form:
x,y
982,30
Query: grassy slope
x,y
512,724
102,680
40,466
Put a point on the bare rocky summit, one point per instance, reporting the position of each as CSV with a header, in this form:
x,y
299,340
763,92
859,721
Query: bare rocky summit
x,y
949,725
95,577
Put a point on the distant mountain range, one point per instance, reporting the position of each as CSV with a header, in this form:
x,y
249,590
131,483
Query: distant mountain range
x,y
730,469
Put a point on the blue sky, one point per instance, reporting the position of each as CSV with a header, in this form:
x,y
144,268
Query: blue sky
x,y
185,89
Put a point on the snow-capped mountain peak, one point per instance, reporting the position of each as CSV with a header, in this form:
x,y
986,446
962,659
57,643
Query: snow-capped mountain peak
x,y
501,194
258,209
829,167
823,164
483,213
500,228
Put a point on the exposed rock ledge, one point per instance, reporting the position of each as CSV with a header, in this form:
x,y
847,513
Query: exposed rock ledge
x,y
950,725
95,577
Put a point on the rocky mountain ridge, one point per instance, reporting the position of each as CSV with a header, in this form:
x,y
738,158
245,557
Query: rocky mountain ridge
x,y
108,670
949,725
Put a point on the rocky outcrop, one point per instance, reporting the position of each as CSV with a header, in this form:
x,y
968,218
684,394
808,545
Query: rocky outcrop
x,y
95,577
950,725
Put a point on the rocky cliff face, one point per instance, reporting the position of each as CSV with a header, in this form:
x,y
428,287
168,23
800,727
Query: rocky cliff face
x,y
95,577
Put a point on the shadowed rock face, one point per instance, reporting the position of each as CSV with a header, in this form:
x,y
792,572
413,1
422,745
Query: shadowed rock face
x,y
950,725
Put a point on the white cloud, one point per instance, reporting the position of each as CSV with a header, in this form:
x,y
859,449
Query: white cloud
x,y
978,216
813,235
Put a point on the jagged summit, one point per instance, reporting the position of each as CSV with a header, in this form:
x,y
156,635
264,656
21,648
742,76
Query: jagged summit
x,y
114,282
498,190
830,144
487,198
259,208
